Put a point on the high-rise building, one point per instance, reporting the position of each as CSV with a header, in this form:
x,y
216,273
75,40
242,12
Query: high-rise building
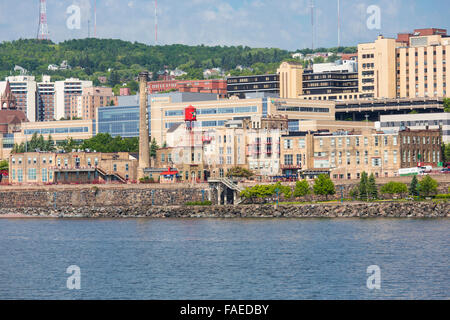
x,y
411,66
24,90
83,107
46,100
64,90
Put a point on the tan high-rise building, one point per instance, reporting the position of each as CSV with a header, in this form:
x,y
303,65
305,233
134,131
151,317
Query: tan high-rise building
x,y
411,66
377,71
291,78
83,107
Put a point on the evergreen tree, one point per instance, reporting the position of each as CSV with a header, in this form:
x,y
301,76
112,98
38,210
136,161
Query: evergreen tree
x,y
372,187
414,186
50,144
363,187
153,148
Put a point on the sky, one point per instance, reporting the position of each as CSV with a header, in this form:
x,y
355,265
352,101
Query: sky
x,y
284,24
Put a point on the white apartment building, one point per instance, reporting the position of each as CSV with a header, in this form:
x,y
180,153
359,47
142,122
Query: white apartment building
x,y
24,89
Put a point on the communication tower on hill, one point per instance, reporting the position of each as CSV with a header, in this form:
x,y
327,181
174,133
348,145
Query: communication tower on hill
x,y
43,27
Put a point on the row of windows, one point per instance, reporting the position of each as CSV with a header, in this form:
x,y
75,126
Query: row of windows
x,y
303,109
56,130
46,175
419,140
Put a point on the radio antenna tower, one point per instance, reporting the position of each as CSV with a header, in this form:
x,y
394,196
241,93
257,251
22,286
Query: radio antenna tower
x,y
339,23
156,22
312,22
95,18
43,27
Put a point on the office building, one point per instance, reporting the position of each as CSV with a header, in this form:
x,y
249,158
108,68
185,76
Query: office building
x,y
418,121
411,66
214,114
329,81
243,85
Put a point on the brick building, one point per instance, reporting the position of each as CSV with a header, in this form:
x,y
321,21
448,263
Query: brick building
x,y
216,86
420,147
75,167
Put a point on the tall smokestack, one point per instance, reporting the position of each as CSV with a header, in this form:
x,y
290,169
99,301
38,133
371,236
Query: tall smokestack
x,y
144,152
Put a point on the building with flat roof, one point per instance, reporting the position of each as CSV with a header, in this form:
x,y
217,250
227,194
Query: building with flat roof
x,y
242,85
216,86
84,106
64,90
411,66
72,168
23,88
418,121
214,114
332,81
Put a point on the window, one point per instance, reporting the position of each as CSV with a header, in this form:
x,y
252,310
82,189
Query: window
x,y
376,141
386,141
394,141
32,174
333,142
127,167
66,162
366,141
301,143
340,142
357,142
288,159
321,142
44,175
115,167
287,144
20,175
348,142
395,157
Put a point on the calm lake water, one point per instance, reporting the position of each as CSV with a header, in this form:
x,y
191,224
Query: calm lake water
x,y
224,259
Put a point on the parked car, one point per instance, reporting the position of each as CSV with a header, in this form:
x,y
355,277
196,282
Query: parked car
x,y
445,170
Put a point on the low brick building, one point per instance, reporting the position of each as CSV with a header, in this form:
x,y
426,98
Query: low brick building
x,y
74,167
420,147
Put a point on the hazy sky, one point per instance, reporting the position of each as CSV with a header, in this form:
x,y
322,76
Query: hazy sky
x,y
256,23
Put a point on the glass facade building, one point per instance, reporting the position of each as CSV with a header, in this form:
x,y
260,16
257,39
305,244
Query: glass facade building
x,y
119,121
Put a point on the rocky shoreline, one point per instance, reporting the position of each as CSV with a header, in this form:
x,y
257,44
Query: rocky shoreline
x,y
346,210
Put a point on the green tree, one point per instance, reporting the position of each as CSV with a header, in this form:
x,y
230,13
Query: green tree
x,y
153,148
285,190
69,144
354,193
447,105
394,188
414,186
240,172
428,186
372,187
50,144
302,189
4,165
446,152
363,190
324,186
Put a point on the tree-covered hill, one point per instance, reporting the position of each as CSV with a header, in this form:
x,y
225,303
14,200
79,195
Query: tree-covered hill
x,y
121,61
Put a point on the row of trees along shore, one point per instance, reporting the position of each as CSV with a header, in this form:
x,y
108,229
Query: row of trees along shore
x,y
366,190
